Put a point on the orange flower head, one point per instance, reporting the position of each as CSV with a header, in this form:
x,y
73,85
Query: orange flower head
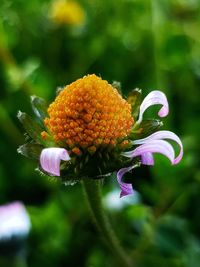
x,y
89,113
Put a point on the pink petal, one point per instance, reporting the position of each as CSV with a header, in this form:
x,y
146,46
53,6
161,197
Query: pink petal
x,y
147,159
126,189
154,98
14,220
154,146
50,159
163,135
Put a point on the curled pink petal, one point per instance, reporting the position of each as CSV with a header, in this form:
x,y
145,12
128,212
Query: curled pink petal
x,y
50,159
147,159
155,146
126,189
154,98
163,135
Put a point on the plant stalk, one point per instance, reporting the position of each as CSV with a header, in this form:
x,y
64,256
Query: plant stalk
x,y
92,190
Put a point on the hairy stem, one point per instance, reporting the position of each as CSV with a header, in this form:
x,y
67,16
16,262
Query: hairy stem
x,y
92,190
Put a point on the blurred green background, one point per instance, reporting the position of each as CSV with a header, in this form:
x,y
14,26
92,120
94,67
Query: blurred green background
x,y
141,43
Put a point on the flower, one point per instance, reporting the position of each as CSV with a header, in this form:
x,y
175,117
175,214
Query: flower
x,y
14,221
90,130
88,114
67,12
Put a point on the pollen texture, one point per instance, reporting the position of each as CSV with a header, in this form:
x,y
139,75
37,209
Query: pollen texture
x,y
89,113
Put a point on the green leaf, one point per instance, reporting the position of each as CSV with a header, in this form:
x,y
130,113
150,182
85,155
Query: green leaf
x,y
145,128
171,234
134,99
29,68
39,106
32,128
30,150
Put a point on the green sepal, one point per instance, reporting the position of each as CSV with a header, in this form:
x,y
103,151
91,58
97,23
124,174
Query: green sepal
x,y
59,89
134,99
39,106
145,128
85,166
117,85
32,128
30,150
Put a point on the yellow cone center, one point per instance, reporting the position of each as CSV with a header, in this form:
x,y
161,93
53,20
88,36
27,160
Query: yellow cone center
x,y
89,113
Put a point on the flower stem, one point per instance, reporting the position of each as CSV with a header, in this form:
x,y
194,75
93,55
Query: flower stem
x,y
92,190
